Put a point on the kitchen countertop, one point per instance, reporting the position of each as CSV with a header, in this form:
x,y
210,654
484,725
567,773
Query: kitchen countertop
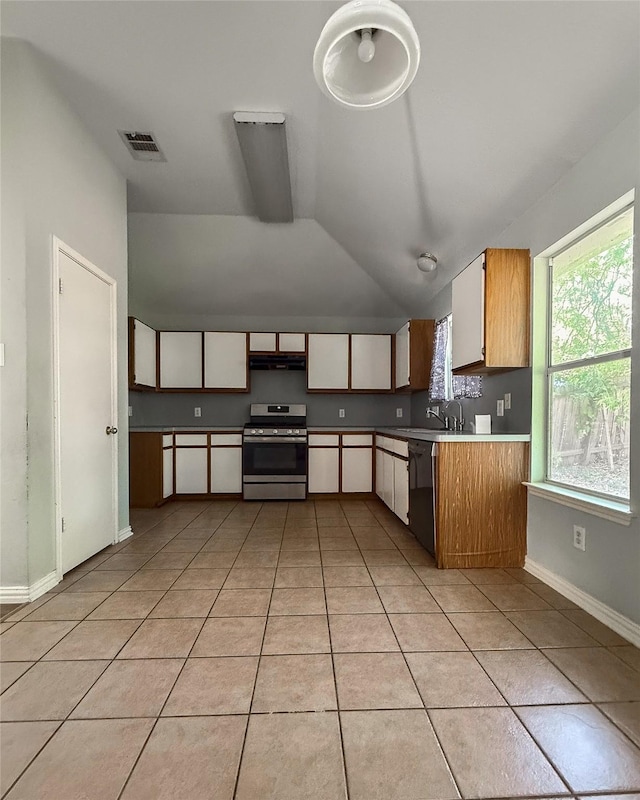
x,y
434,435
183,428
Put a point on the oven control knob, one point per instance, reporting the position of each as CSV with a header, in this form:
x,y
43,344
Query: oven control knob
x,y
260,431
275,430
296,431
289,431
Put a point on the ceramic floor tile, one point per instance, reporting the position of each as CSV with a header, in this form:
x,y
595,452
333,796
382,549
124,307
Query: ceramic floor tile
x,y
124,562
19,743
188,603
201,579
180,545
461,598
162,638
28,641
394,576
407,600
597,673
491,754
374,680
522,575
100,581
213,686
384,558
93,639
353,600
488,575
295,558
230,636
527,677
222,560
294,683
250,578
626,716
248,560
192,757
394,755
104,752
489,630
297,601
296,634
432,576
127,605
601,633
513,597
130,689
49,690
24,610
340,558
346,576
550,629
452,680
242,603
68,606
291,577
307,545
338,543
629,654
417,556
169,561
590,753
555,599
292,757
10,671
361,633
425,632
150,580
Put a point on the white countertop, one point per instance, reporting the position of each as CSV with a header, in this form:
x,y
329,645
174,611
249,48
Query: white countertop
x,y
433,435
183,428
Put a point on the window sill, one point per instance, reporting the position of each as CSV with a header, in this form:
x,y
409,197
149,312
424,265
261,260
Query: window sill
x,y
598,506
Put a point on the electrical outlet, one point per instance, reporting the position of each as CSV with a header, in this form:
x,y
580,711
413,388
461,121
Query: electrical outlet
x,y
197,412
130,411
507,401
500,408
341,413
579,537
399,413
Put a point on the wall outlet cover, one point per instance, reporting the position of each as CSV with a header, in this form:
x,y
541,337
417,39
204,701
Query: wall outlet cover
x,y
500,408
507,401
579,537
399,413
197,412
341,413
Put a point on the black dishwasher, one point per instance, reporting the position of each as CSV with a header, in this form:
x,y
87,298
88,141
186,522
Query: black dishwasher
x,y
422,457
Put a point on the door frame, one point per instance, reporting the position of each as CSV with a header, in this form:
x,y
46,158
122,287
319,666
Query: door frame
x,y
58,247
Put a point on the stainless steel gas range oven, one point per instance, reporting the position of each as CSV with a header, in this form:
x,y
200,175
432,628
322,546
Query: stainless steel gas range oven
x,y
274,453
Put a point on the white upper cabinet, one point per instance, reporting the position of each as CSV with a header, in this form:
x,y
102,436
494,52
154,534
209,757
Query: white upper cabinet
x,y
328,361
371,361
225,360
180,360
291,342
262,342
402,357
144,355
467,306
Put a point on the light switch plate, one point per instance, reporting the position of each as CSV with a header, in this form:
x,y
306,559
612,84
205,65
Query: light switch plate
x,y
399,413
197,412
341,413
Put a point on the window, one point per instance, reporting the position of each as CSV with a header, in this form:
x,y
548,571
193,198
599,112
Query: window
x,y
589,360
443,385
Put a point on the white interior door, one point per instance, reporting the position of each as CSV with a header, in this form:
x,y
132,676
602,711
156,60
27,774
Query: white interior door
x,y
86,384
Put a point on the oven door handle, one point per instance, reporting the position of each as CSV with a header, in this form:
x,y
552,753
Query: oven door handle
x,y
285,439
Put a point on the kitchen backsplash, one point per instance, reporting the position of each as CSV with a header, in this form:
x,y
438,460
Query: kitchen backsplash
x,y
270,386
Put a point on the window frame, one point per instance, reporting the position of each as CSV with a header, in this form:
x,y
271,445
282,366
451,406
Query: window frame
x,y
551,369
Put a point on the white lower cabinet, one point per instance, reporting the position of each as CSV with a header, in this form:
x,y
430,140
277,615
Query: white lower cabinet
x,y
324,470
379,473
356,469
392,483
226,470
191,470
167,473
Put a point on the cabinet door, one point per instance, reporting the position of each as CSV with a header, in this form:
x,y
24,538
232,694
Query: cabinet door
x,y
467,305
371,361
262,342
226,470
402,357
324,470
191,470
401,489
387,479
379,474
144,354
225,360
291,342
357,464
167,473
328,361
180,360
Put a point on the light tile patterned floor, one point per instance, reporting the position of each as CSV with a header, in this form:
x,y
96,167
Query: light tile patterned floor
x,y
308,651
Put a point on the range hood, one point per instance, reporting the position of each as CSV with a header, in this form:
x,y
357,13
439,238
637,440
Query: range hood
x,y
293,362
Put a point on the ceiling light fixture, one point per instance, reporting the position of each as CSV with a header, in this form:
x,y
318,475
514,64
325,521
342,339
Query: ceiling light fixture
x,y
263,143
427,262
367,54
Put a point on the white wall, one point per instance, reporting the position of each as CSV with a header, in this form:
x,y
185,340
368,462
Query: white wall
x,y
609,569
55,181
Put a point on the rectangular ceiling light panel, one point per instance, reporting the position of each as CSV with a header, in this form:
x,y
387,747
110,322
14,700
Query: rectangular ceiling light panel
x,y
263,142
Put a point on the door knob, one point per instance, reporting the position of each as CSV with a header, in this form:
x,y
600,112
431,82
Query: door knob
x,y
111,430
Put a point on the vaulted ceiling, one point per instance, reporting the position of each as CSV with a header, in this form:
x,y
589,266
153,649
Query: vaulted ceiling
x,y
509,95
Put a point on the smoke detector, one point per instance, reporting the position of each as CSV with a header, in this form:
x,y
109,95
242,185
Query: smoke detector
x,y
142,145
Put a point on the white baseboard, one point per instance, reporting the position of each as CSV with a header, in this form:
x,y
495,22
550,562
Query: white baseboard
x,y
622,625
26,594
125,533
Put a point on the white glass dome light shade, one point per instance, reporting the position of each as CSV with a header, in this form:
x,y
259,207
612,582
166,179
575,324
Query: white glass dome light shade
x,y
344,76
427,263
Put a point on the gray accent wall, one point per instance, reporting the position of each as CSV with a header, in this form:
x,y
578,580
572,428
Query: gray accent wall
x,y
268,386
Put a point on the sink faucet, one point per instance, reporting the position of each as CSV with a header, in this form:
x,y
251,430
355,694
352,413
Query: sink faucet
x,y
458,421
444,420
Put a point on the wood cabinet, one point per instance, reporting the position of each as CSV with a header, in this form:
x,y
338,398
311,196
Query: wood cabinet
x,y
414,354
328,361
142,356
180,360
481,504
225,361
491,313
392,475
370,362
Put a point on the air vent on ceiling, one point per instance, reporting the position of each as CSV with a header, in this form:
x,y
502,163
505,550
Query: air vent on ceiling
x,y
142,145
